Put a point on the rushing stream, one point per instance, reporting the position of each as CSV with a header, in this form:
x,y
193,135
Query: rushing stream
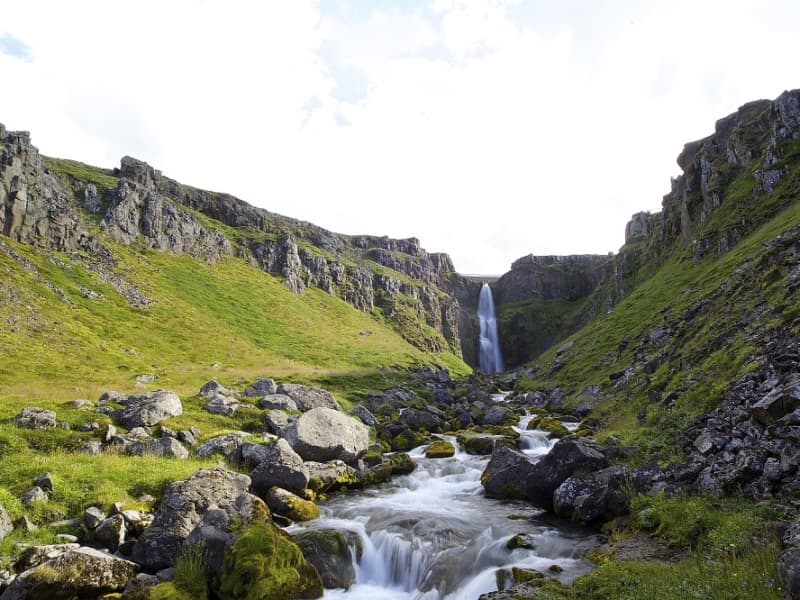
x,y
433,535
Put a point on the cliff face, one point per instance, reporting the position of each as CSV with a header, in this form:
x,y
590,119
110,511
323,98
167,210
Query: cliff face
x,y
66,206
733,181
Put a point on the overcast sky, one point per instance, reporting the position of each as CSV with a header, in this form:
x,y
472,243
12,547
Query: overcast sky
x,y
489,129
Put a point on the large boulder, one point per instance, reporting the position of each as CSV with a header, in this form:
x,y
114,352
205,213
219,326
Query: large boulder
x,y
594,497
331,552
32,417
6,526
75,573
150,409
779,402
307,397
506,473
182,509
280,466
499,415
571,456
323,434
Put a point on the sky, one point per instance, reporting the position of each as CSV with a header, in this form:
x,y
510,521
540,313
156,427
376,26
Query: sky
x,y
488,129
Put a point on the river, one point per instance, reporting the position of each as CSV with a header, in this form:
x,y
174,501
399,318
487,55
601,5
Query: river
x,y
433,535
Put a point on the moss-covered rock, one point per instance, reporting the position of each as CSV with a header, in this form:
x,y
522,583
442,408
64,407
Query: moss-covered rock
x,y
289,505
378,474
440,449
478,444
331,552
554,427
401,463
406,440
374,455
265,564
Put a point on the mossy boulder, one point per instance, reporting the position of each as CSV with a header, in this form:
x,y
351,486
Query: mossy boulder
x,y
265,564
374,455
331,552
406,440
284,502
554,427
440,449
477,444
401,463
378,474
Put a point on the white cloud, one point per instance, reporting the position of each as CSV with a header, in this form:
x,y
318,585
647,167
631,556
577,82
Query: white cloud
x,y
485,130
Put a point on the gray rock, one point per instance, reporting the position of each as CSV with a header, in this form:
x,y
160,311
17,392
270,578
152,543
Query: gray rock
x,y
366,417
92,517
147,378
213,388
166,446
333,554
498,415
36,555
6,525
594,497
45,481
222,444
277,402
779,402
111,532
332,475
789,562
34,494
92,448
281,466
111,396
184,504
570,456
77,573
261,387
506,473
222,405
275,421
150,409
289,505
32,417
307,397
323,434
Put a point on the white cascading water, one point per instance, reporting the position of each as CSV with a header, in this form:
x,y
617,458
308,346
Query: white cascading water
x,y
490,359
433,535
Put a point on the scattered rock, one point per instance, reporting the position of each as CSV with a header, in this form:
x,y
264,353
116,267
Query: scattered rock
x,y
261,387
165,446
111,532
6,526
213,388
150,409
222,444
366,417
32,417
594,497
307,397
34,494
277,402
92,517
222,405
282,467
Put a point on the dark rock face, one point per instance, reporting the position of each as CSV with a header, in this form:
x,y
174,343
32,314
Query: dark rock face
x,y
789,564
331,552
570,457
506,473
181,511
595,497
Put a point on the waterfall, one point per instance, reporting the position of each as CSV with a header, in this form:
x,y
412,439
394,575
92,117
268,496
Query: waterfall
x,y
489,358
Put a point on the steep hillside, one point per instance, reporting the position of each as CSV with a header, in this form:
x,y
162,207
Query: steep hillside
x,y
111,274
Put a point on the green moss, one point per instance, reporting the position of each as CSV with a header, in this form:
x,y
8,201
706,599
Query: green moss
x,y
264,564
401,464
406,440
555,428
102,178
168,591
476,443
440,449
